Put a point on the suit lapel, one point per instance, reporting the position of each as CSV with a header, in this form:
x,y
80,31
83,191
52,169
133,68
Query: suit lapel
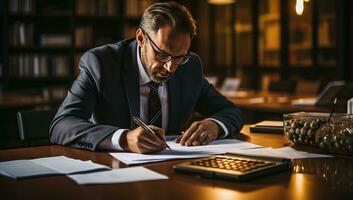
x,y
131,82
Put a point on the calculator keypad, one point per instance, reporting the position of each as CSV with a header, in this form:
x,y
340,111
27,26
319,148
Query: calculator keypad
x,y
234,164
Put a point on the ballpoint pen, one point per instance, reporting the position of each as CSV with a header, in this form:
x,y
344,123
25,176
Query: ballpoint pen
x,y
148,129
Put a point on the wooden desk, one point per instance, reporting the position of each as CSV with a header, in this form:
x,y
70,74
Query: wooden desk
x,y
329,178
258,106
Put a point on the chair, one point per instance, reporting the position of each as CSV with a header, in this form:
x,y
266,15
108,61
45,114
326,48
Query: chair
x,y
33,126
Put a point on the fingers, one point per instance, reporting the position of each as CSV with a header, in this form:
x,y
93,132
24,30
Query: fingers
x,y
177,140
209,138
159,131
140,141
194,138
158,139
187,134
202,138
199,133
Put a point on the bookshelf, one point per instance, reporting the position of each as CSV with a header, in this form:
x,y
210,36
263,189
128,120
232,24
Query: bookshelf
x,y
273,42
44,39
43,42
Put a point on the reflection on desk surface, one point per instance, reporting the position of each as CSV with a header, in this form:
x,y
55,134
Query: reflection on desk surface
x,y
336,172
323,178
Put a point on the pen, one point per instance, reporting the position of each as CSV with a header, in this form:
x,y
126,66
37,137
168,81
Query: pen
x,y
148,129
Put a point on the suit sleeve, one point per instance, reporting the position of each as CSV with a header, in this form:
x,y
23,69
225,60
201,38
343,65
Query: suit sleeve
x,y
71,125
214,105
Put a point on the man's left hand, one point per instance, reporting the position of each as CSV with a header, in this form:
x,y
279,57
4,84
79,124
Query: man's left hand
x,y
199,133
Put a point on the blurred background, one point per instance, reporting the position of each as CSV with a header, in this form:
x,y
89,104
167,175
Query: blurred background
x,y
262,54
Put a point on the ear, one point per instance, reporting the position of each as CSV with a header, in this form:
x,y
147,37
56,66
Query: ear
x,y
140,37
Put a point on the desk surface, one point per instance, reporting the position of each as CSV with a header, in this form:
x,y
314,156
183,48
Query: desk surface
x,y
328,178
272,102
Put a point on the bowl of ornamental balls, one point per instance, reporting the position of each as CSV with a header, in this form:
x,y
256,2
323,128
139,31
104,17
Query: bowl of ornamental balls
x,y
337,135
301,127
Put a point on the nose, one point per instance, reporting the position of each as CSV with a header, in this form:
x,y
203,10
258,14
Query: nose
x,y
170,66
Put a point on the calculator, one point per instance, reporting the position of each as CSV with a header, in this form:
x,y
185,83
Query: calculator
x,y
234,166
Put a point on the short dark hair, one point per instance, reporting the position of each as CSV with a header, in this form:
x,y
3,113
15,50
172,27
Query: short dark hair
x,y
168,13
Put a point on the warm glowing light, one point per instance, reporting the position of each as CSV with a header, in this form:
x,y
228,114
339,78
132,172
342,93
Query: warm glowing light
x,y
221,2
299,7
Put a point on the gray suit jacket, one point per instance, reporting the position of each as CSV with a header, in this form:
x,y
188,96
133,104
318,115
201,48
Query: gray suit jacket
x,y
105,96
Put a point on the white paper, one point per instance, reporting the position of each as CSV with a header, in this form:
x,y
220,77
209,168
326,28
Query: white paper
x,y
66,165
124,175
284,152
46,166
182,152
24,168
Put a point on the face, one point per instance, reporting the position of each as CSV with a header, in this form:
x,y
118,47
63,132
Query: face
x,y
162,44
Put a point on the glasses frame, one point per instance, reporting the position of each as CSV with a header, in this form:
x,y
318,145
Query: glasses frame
x,y
157,51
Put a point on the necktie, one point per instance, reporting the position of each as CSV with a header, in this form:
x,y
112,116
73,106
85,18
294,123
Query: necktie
x,y
154,105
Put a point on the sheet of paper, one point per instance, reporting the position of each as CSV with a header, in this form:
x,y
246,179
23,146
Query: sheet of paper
x,y
284,152
47,166
183,152
23,169
124,175
66,165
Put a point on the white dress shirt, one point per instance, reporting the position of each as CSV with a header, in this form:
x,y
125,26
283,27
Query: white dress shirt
x,y
144,92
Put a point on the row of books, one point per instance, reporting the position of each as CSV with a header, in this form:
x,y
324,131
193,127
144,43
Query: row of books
x,y
34,65
83,7
135,8
83,36
54,93
21,6
21,34
94,7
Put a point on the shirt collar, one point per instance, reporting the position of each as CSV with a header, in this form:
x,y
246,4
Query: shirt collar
x,y
143,76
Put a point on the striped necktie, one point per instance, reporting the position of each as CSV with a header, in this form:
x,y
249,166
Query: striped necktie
x,y
154,105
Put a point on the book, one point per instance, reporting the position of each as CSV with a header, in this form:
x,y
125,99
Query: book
x,y
56,40
267,127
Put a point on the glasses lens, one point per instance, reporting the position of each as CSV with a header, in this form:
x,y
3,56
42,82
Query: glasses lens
x,y
162,57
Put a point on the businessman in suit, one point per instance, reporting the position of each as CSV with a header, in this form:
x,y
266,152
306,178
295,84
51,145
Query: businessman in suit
x,y
154,77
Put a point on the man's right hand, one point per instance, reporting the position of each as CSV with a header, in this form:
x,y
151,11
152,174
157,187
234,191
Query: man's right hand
x,y
140,141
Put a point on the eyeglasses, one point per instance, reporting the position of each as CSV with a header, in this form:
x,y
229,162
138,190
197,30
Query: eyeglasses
x,y
163,57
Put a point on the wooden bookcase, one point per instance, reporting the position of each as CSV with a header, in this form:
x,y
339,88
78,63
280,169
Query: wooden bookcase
x,y
270,41
44,39
41,45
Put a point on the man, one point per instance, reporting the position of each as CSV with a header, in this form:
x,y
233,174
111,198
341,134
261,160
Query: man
x,y
153,77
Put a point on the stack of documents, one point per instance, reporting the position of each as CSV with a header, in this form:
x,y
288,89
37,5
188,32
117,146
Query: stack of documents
x,y
82,172
47,166
284,152
182,152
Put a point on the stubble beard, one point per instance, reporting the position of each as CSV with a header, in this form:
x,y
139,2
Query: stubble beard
x,y
153,75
